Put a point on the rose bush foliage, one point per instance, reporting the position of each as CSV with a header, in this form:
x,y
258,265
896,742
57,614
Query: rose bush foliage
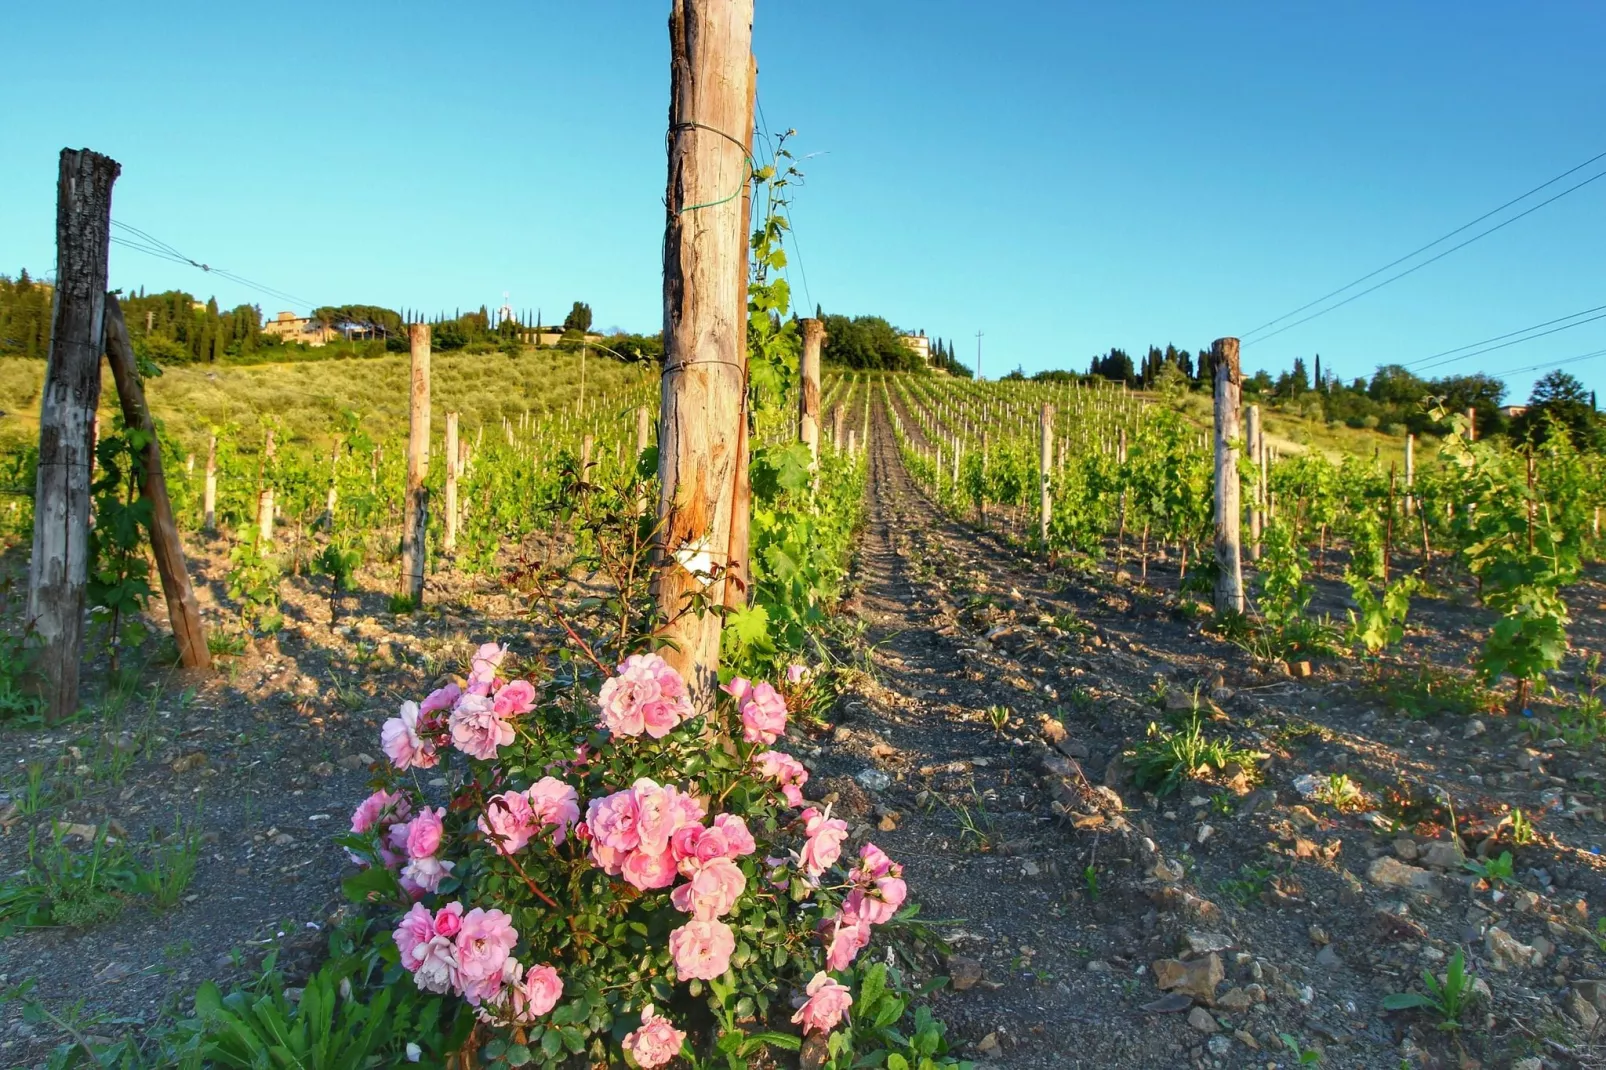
x,y
616,874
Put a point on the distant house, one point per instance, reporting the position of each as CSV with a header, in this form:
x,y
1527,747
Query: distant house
x,y
920,344
1513,411
297,329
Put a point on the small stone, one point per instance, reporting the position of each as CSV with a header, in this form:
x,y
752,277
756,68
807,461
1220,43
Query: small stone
x,y
889,822
1247,1039
1390,872
1205,832
1202,943
1235,999
1582,1010
322,769
1072,748
353,762
963,972
1168,871
1443,854
1197,977
1219,1045
873,779
185,763
1405,847
1507,952
1318,936
989,1045
1203,1020
283,839
1474,729
1327,957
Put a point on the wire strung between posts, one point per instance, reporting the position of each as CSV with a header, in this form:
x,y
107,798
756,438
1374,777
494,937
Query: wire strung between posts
x,y
1504,345
747,159
145,242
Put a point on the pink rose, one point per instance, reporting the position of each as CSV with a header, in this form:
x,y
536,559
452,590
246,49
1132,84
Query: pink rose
x,y
828,1001
873,863
660,812
608,859
647,696
612,820
424,874
785,770
646,870
656,1042
508,821
702,949
449,919
515,698
878,902
554,803
443,698
845,936
477,730
381,809
824,844
483,944
415,928
403,745
426,946
796,674
482,672
424,832
763,715
535,991
737,837
712,890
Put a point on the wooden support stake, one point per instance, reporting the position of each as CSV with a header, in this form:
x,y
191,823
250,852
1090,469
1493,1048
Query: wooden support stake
x,y
453,469
1410,474
1229,491
837,416
59,567
587,444
738,567
209,489
705,330
183,612
808,411
1045,460
415,518
1252,440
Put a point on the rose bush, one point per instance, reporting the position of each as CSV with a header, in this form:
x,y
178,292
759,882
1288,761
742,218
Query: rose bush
x,y
622,876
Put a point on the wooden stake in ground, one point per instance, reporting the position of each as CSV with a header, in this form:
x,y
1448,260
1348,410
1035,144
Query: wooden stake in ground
x,y
1252,440
1045,461
265,507
183,612
1229,500
808,409
415,519
209,489
705,329
836,428
738,566
59,568
453,467
1410,474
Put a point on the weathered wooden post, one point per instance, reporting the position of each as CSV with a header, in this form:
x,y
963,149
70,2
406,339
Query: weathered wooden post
x,y
705,329
738,564
643,430
415,514
853,440
1255,446
1472,424
587,444
837,417
1229,502
59,568
183,612
1045,461
209,489
1410,474
808,409
265,508
453,468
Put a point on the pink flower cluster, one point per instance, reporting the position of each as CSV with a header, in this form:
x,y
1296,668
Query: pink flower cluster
x,y
878,892
828,1001
656,1042
419,841
477,718
379,813
824,843
647,696
762,708
785,770
470,954
513,818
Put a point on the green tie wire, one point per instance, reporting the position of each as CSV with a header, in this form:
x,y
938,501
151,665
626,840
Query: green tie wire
x,y
745,159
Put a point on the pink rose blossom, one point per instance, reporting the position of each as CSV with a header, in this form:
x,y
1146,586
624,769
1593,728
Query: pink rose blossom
x,y
424,832
508,821
828,1001
647,696
712,890
482,673
873,863
426,946
424,874
763,715
824,844
736,834
877,903
796,674
483,944
739,688
612,820
443,698
787,771
477,730
660,812
554,803
702,949
608,859
845,936
403,745
515,698
656,1042
381,809
535,991
646,870
449,919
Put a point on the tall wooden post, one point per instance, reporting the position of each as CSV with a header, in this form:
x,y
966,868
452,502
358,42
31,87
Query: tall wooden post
x,y
1045,462
587,444
705,329
59,568
453,467
415,513
643,430
808,410
1410,474
1229,502
265,507
1255,446
183,612
1472,424
836,428
209,489
738,564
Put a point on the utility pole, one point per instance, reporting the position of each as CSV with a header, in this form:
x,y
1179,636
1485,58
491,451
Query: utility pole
x,y
979,376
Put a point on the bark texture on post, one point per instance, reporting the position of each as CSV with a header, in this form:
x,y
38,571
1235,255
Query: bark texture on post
x,y
738,569
59,568
453,468
808,409
415,519
183,612
1045,463
705,329
1229,500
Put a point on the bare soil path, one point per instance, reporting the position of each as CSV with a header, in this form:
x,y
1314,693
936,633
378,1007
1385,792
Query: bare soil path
x,y
1067,894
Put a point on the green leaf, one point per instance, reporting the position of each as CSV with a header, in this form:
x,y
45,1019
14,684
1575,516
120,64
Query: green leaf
x,y
1401,1001
520,1055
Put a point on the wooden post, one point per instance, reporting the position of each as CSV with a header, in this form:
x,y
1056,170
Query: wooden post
x,y
209,489
1252,440
415,518
587,444
265,508
1229,501
705,329
1472,424
183,612
1045,460
836,428
453,466
738,567
1410,474
59,568
643,430
808,411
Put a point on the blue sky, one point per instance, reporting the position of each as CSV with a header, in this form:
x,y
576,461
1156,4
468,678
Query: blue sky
x,y
1063,177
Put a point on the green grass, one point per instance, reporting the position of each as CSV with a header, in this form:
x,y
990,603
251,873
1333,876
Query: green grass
x,y
1291,432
